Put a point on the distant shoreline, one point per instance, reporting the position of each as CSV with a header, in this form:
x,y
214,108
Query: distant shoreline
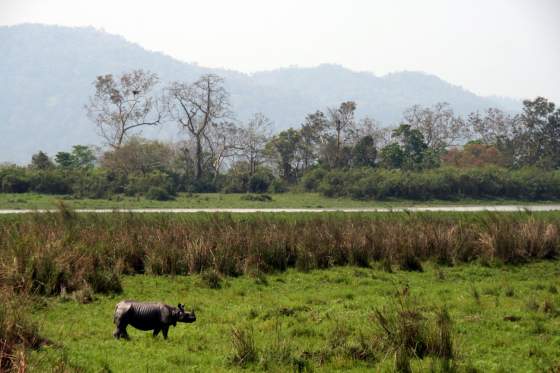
x,y
479,208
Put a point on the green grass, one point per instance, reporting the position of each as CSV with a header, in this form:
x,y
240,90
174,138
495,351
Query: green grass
x,y
313,319
220,200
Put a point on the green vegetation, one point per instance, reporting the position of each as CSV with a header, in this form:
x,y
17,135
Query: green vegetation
x,y
443,183
319,321
434,154
222,200
452,292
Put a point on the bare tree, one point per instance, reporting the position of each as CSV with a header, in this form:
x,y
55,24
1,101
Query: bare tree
x,y
341,120
492,125
224,142
124,104
370,127
196,107
253,137
439,125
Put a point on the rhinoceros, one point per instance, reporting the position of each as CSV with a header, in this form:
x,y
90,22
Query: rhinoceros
x,y
149,316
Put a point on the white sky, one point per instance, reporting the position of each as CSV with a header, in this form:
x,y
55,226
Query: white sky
x,y
502,47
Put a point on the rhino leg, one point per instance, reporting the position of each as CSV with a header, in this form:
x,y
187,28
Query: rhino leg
x,y
164,330
120,330
156,332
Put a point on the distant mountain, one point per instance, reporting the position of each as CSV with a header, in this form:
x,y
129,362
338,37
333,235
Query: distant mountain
x,y
46,75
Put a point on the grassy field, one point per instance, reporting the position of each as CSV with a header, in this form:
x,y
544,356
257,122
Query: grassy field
x,y
323,320
284,292
220,200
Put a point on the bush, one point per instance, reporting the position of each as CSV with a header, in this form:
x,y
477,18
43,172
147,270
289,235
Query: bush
x,y
16,330
405,330
278,186
93,184
244,350
211,279
256,197
142,184
14,179
442,183
159,194
258,183
50,182
312,178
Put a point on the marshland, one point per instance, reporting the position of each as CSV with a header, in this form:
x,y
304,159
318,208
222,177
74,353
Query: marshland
x,y
282,292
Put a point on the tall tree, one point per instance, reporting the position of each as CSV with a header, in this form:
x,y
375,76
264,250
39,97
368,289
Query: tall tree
x,y
439,125
311,133
409,150
341,120
223,140
82,157
492,125
367,126
541,135
139,156
284,149
195,107
122,105
364,152
41,161
253,137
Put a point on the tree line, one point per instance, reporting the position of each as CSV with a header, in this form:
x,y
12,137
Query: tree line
x,y
331,151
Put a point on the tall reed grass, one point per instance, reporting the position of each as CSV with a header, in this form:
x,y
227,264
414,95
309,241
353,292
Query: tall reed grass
x,y
17,332
51,253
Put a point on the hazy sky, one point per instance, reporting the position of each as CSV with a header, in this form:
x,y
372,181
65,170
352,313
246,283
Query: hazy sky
x,y
502,47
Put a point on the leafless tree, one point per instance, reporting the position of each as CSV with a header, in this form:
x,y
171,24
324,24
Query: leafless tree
x,y
121,105
493,124
341,120
370,127
224,142
439,125
196,107
253,137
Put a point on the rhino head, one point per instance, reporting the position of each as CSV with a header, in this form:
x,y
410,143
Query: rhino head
x,y
185,316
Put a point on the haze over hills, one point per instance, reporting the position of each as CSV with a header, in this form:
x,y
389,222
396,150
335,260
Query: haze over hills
x,y
46,75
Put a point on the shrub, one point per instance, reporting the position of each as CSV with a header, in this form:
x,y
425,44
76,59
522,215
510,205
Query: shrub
x,y
405,330
442,183
142,184
159,194
244,350
312,178
13,180
50,182
16,330
258,183
410,262
256,197
103,281
278,186
92,184
211,279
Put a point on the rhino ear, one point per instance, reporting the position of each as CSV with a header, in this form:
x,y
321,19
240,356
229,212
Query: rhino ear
x,y
181,307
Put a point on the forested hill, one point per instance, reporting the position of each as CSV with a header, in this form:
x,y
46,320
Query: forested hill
x,y
46,75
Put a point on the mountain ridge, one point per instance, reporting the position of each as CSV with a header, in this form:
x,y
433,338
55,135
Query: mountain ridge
x,y
47,74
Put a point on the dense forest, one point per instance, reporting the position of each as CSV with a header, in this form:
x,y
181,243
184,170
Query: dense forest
x,y
432,152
